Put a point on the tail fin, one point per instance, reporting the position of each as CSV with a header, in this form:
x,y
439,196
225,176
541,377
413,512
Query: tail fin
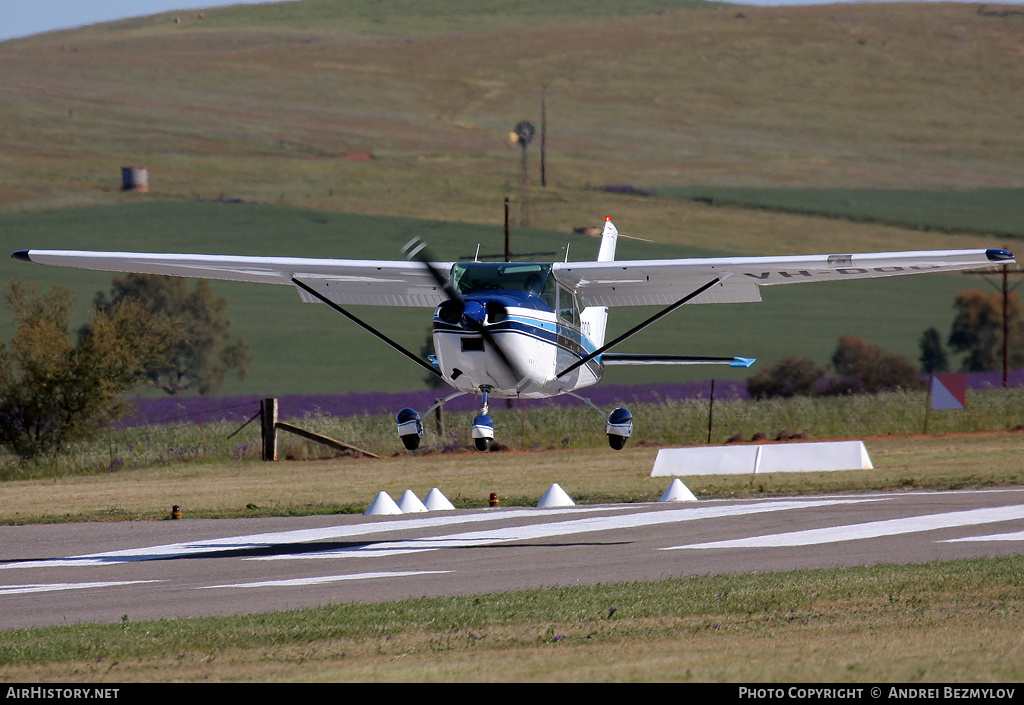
x,y
595,318
609,238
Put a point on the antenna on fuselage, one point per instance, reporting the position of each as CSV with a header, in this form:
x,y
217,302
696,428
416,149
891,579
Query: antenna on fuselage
x,y
567,251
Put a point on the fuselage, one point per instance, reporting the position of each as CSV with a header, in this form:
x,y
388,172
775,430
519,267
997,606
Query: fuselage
x,y
520,308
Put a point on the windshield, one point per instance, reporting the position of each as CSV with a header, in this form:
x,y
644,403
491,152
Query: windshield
x,y
529,277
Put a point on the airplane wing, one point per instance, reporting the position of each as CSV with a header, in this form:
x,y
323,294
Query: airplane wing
x,y
663,282
345,282
614,283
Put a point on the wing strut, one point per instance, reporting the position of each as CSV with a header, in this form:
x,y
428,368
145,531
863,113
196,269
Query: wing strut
x,y
367,327
636,329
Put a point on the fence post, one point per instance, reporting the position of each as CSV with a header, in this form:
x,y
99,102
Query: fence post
x,y
268,418
439,419
711,411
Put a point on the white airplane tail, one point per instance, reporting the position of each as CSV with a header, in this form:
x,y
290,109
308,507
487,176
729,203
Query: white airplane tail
x,y
595,318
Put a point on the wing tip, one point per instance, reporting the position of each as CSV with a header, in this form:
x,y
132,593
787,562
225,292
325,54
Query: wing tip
x,y
995,255
21,255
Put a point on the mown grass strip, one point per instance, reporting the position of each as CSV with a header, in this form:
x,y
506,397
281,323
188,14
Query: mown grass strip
x,y
933,622
984,211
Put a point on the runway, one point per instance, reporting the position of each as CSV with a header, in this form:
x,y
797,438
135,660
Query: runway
x,y
102,572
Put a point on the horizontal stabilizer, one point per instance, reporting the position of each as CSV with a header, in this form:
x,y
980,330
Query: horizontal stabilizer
x,y
638,359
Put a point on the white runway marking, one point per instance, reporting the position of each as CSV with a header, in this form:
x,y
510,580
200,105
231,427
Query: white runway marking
x,y
55,587
553,529
874,529
257,541
321,579
1015,536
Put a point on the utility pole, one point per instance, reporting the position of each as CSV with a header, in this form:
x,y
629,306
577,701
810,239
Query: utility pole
x,y
543,136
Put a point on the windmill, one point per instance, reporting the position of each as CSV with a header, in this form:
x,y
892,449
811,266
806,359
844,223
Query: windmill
x,y
523,134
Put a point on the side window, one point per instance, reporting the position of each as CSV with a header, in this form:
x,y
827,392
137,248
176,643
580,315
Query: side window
x,y
548,296
567,308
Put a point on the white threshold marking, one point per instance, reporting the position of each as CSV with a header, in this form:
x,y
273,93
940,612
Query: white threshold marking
x,y
553,529
868,530
55,587
1014,536
257,541
319,580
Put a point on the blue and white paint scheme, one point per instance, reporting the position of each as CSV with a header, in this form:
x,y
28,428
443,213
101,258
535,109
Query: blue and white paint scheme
x,y
527,329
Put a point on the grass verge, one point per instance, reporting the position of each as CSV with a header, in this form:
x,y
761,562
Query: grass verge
x,y
941,622
590,475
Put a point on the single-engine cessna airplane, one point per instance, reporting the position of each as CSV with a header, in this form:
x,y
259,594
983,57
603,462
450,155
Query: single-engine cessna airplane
x,y
527,329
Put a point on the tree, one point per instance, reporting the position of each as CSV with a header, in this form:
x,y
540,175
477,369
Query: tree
x,y
933,355
202,353
977,330
865,367
54,391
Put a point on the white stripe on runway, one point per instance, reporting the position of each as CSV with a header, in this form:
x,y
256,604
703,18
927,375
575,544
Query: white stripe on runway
x,y
56,587
868,530
257,541
553,529
321,579
1015,536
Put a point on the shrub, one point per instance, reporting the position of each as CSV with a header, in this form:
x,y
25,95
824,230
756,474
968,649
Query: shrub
x,y
864,368
789,377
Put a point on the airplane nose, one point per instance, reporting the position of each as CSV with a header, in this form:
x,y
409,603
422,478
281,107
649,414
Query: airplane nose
x,y
476,313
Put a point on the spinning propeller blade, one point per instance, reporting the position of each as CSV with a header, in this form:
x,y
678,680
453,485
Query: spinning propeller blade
x,y
416,249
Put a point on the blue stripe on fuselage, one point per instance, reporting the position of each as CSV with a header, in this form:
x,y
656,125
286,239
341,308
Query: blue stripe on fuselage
x,y
556,332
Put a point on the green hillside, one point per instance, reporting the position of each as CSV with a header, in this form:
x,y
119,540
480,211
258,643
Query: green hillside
x,y
262,102
343,127
997,212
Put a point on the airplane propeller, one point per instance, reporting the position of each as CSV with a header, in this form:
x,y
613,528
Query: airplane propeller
x,y
472,314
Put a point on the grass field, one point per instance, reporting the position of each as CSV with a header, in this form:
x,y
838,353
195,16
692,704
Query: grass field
x,y
993,212
260,103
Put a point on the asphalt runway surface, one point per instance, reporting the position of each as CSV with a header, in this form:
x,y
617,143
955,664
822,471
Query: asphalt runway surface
x,y
101,572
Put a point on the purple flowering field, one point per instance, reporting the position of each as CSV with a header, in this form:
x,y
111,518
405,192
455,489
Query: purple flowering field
x,y
181,410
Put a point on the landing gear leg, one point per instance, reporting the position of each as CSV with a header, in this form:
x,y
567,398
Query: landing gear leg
x,y
483,426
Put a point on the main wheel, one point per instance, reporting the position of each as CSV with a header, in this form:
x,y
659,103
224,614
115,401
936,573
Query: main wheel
x,y
616,442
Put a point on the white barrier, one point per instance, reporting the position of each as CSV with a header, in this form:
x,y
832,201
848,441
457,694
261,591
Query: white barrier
x,y
762,458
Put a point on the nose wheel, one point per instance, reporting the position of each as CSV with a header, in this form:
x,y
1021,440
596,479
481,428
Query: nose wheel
x,y
483,426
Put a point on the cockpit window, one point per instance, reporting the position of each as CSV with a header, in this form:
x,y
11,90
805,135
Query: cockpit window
x,y
528,277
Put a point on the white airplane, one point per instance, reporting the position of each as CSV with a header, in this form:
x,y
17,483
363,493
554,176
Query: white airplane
x,y
527,329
